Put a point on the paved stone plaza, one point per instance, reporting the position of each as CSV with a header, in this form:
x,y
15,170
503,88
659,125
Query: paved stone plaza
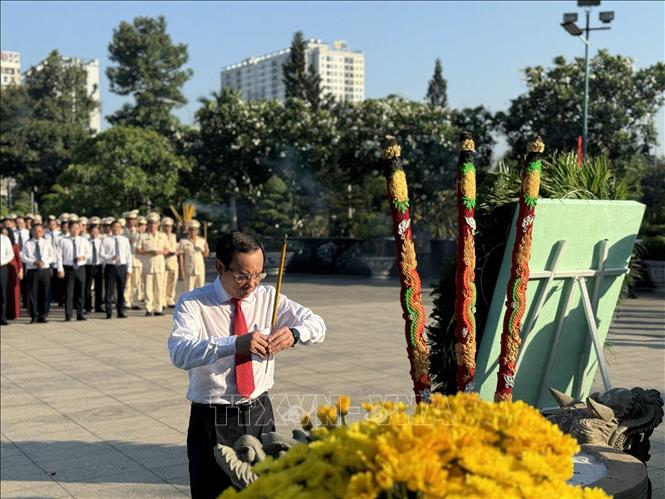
x,y
95,409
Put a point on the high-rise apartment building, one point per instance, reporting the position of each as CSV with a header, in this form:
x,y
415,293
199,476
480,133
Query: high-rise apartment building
x,y
10,68
342,72
91,67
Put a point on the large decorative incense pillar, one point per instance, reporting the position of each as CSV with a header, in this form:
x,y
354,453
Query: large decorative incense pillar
x,y
519,271
411,292
465,299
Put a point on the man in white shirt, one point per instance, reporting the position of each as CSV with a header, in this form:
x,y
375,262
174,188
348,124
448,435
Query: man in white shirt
x,y
221,337
21,233
73,252
94,271
6,256
37,255
117,254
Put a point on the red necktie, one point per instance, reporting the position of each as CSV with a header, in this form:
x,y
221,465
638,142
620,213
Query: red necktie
x,y
244,370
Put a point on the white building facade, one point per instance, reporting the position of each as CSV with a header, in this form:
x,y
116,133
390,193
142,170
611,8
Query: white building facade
x,y
341,70
10,68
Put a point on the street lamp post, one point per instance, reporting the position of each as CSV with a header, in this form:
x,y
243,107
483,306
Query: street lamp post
x,y
569,24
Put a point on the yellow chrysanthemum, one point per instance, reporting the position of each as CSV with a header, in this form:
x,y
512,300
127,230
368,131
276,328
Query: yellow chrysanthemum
x,y
343,402
456,446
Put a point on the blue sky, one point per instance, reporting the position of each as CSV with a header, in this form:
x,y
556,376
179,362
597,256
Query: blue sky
x,y
483,45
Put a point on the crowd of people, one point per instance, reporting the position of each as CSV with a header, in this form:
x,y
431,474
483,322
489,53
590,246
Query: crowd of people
x,y
85,264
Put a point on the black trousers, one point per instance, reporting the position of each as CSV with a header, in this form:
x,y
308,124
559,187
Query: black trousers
x,y
4,280
57,289
39,283
210,425
115,275
75,290
94,273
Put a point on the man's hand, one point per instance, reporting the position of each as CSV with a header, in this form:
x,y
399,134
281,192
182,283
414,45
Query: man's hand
x,y
61,274
39,264
254,343
80,258
280,340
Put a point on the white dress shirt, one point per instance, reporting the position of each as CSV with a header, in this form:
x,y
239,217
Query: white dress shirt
x,y
203,343
6,250
97,244
124,250
66,251
29,253
25,235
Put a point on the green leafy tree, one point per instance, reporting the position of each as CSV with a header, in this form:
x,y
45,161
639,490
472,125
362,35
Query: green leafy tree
x,y
44,121
119,168
437,89
149,67
622,106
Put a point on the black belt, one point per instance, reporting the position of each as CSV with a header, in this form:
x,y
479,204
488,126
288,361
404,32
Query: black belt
x,y
241,406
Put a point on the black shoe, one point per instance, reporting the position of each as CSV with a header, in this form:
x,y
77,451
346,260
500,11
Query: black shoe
x,y
33,320
148,314
159,313
122,316
42,320
4,323
88,310
136,307
108,316
171,306
81,318
67,319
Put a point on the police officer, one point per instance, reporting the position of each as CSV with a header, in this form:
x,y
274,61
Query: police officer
x,y
192,249
153,247
134,288
170,263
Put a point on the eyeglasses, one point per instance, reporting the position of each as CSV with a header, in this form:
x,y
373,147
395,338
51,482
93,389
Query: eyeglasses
x,y
241,277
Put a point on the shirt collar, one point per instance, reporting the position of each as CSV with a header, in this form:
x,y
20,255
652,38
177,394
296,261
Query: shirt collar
x,y
224,297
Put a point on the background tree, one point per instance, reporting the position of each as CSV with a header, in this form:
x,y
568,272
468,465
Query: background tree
x,y
482,124
622,106
43,122
119,168
437,93
234,152
149,68
273,208
301,82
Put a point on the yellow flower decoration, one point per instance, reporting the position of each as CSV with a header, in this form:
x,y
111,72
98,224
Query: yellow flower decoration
x,y
398,190
393,151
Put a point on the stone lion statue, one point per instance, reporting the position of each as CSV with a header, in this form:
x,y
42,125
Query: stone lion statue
x,y
620,418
